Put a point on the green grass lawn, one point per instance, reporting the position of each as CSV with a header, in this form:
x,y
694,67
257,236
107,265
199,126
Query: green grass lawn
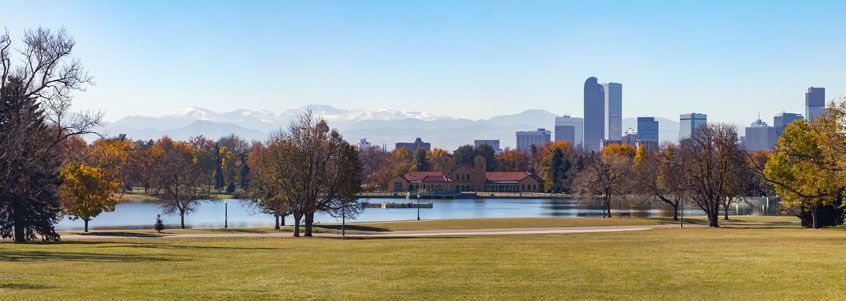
x,y
745,262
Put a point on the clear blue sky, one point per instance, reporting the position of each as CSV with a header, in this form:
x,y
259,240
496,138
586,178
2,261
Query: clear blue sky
x,y
472,59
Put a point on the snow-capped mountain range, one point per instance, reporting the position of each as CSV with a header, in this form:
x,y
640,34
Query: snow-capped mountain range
x,y
380,127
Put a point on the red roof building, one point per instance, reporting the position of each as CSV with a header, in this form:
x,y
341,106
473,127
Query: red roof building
x,y
467,177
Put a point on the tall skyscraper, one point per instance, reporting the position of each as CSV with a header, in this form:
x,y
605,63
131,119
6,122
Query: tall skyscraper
x,y
525,139
759,136
689,122
781,121
613,111
569,129
594,123
647,129
814,103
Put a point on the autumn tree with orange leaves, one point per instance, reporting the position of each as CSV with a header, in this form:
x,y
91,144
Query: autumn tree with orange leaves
x,y
87,191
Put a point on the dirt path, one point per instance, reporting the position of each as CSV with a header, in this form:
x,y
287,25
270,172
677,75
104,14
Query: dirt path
x,y
463,232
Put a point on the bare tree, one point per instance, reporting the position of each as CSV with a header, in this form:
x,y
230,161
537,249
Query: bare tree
x,y
605,175
330,173
648,172
37,86
178,178
50,75
274,189
711,164
309,168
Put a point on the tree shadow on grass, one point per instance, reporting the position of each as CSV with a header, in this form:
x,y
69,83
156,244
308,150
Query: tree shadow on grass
x,y
12,256
687,221
379,237
171,246
241,230
120,234
357,228
62,242
23,286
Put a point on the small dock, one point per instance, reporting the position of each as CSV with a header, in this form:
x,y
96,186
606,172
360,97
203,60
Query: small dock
x,y
390,205
466,195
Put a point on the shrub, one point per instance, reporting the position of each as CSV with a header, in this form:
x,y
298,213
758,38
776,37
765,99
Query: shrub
x,y
827,216
159,224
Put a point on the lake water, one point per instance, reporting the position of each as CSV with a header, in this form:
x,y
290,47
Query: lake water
x,y
210,214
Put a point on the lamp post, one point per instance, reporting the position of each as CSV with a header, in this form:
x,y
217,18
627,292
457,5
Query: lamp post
x,y
344,220
418,206
225,214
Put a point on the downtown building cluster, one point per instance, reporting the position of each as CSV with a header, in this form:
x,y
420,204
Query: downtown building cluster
x,y
602,125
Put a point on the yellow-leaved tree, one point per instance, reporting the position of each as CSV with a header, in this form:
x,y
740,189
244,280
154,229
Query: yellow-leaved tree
x,y
808,166
87,191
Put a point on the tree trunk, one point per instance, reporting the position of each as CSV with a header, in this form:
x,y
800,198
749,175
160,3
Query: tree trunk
x,y
726,211
282,219
814,217
182,219
309,220
277,222
20,230
86,225
675,211
713,218
297,217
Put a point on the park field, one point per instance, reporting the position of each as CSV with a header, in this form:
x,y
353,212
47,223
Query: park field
x,y
734,262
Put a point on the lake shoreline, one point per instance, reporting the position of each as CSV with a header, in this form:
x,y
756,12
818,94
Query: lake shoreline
x,y
213,213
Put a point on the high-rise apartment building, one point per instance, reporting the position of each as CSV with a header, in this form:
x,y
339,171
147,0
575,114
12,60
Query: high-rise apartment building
x,y
594,123
613,111
569,129
814,103
647,129
689,122
759,136
525,139
781,121
492,142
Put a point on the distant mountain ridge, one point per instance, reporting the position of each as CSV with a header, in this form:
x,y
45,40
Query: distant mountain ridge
x,y
380,127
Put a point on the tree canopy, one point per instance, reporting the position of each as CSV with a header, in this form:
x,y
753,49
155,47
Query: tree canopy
x,y
87,191
807,166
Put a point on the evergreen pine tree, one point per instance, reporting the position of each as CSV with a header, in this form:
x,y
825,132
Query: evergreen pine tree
x,y
29,202
159,224
421,161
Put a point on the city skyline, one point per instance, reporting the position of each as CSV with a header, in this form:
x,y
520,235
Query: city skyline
x,y
448,59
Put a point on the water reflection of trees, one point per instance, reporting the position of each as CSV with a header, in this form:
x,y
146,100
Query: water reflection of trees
x,y
639,207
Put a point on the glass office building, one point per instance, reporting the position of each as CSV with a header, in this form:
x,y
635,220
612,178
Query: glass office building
x,y
594,124
689,122
647,129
